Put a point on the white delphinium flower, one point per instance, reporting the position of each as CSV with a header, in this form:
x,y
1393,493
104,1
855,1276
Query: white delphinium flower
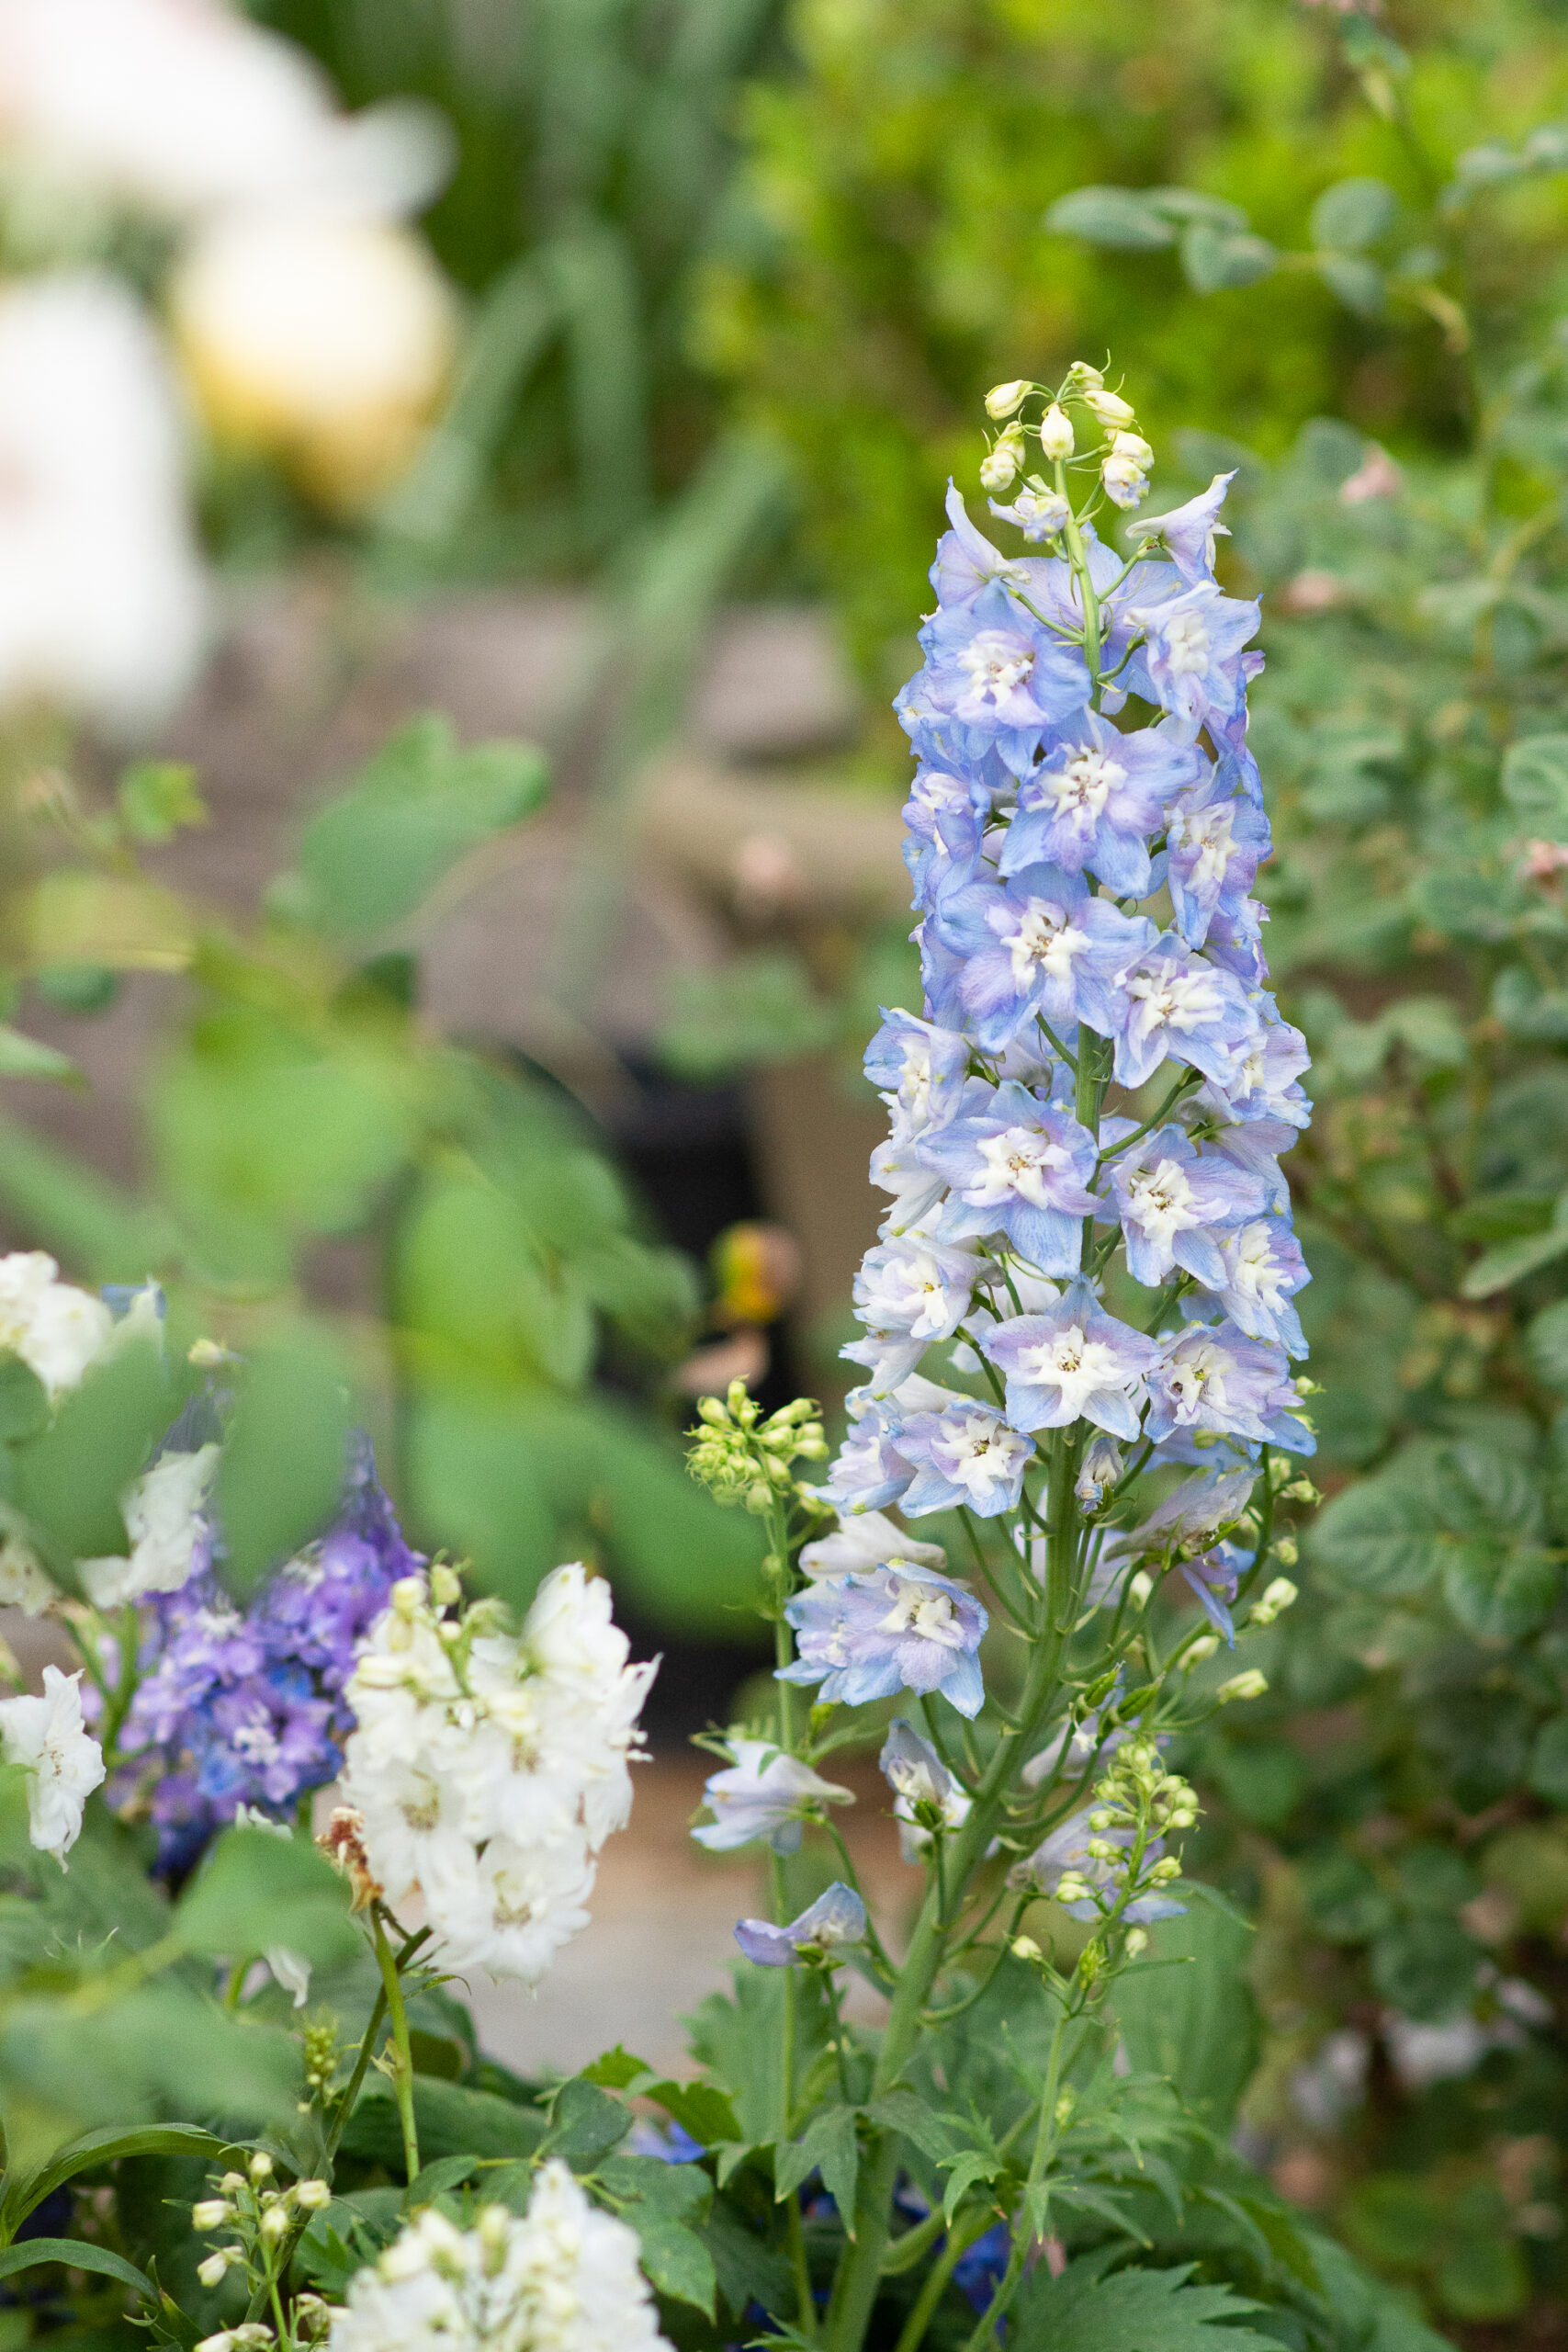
x,y
102,594
24,1583
489,1766
56,1329
165,1519
865,1539
765,1793
63,1762
564,2277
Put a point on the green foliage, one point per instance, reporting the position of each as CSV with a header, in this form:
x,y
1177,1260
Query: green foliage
x,y
1129,2311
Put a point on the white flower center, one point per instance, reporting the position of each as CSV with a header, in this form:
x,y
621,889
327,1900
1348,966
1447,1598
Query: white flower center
x,y
1017,1162
1252,1267
995,663
1182,1001
1187,644
1210,833
1198,1378
1085,785
1043,939
925,1612
1161,1200
1072,1363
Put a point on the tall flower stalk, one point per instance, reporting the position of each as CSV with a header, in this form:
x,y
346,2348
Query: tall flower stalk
x,y
1078,1323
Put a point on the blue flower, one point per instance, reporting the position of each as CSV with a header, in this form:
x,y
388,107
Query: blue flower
x,y
1212,1380
835,1919
1170,1003
919,1066
967,561
1217,838
1041,944
1095,800
907,1293
1018,1166
1172,1203
1189,531
966,1456
1235,939
1192,661
869,1471
1263,1269
1071,1362
1213,1575
764,1793
865,1638
1262,1083
992,676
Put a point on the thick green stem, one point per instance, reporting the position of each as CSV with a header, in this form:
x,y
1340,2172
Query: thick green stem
x,y
402,2056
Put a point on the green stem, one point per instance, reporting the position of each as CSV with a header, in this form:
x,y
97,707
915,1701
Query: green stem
x,y
796,2231
1023,2237
402,2056
960,2238
345,2103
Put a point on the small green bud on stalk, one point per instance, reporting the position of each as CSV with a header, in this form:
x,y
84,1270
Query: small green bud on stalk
x,y
1025,1947
1273,1602
211,2214
1249,1685
1138,1941
446,1586
1285,1551
312,2196
1196,1652
999,466
1109,407
1141,1589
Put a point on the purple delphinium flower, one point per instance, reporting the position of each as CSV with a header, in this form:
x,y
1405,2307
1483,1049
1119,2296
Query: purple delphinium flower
x,y
764,1793
1095,802
1213,1575
907,1293
835,1919
1235,941
965,1456
244,1706
1173,1203
1217,838
1192,661
918,1067
1040,945
1017,1166
895,1629
1189,532
1263,1082
1169,1002
993,676
1212,1380
1071,1362
868,1472
967,561
1263,1269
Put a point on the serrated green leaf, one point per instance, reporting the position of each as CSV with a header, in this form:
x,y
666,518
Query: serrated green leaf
x,y
675,2258
1130,2310
585,2124
434,2180
747,2270
937,2136
829,2146
370,857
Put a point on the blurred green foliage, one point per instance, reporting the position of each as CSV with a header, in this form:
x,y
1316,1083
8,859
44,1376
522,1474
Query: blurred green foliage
x,y
491,1265
593,162
901,175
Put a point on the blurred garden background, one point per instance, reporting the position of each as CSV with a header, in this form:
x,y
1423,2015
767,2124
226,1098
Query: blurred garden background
x,y
467,474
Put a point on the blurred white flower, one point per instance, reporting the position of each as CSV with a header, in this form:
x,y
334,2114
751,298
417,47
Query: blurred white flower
x,y
322,341
102,597
179,106
63,1762
166,1521
56,1329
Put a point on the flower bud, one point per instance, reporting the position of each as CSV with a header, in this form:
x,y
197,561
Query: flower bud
x,y
446,1586
1132,445
713,1412
1250,1685
1025,1947
1057,432
1196,1652
1081,374
214,2270
260,2166
1274,1602
407,1596
1109,407
312,2194
211,2214
1140,1591
1138,1941
1125,481
1000,466
1006,399
273,2225
1285,1551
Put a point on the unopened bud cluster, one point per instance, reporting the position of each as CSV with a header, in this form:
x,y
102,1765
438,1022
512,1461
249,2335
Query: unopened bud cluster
x,y
266,2220
741,1458
1041,507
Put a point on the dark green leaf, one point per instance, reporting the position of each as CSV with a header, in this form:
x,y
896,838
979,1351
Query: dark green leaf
x,y
453,2120
370,857
829,2146
1547,1339
24,1401
747,2267
1345,1901
1425,1968
69,1478
80,2257
585,2124
27,2191
1131,2311
1122,218
1510,1261
1196,2023
1548,1762
433,2180
1500,1594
